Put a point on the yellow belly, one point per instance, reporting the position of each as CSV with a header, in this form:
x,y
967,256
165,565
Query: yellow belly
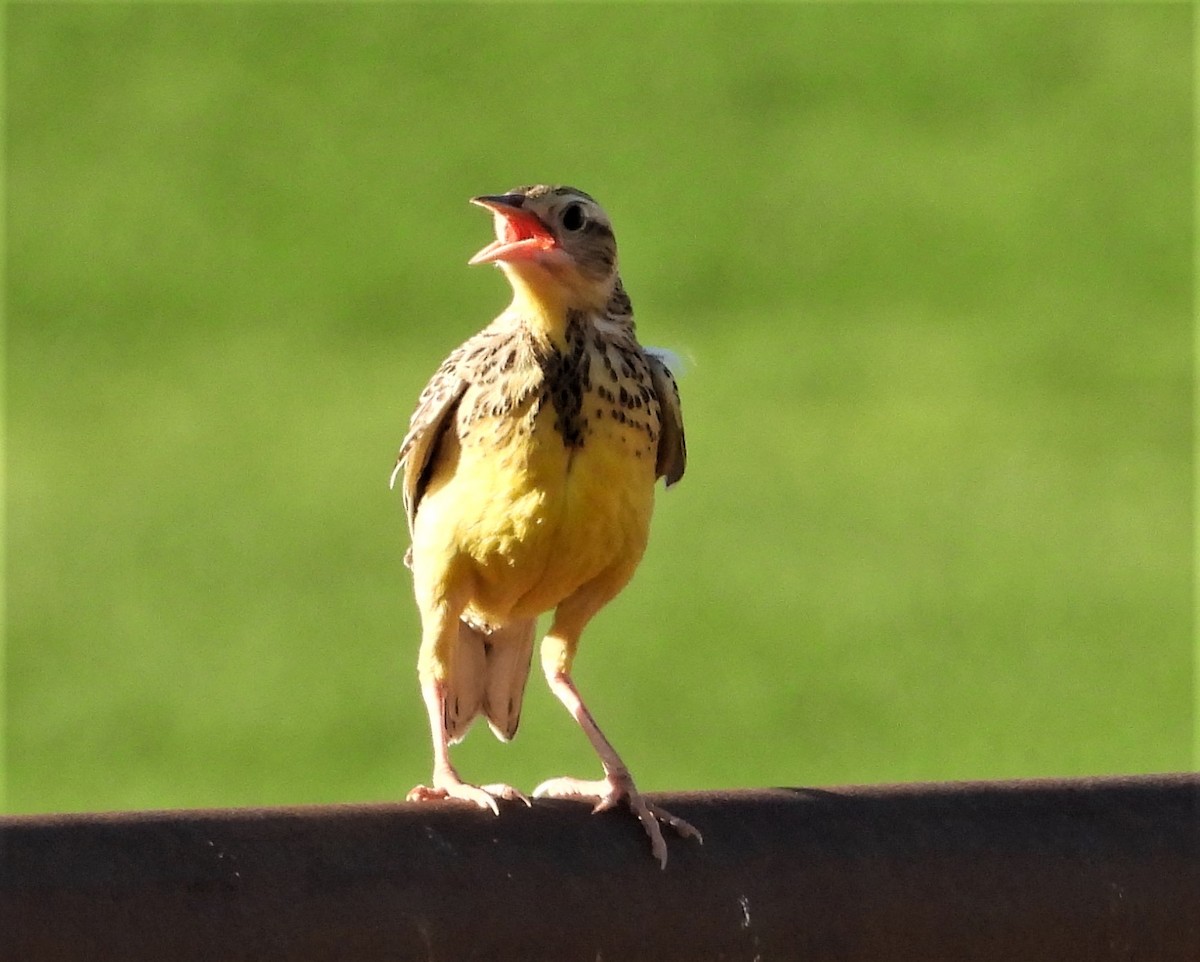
x,y
526,521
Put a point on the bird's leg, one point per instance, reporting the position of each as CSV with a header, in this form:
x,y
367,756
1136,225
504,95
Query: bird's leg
x,y
434,664
446,782
617,784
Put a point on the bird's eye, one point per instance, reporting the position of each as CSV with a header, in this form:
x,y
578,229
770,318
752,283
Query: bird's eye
x,y
572,217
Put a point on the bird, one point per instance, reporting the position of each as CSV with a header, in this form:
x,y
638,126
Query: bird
x,y
528,473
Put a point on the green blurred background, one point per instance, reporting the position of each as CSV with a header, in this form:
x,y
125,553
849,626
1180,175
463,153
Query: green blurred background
x,y
931,266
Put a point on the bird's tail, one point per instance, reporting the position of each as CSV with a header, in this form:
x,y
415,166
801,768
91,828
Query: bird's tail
x,y
488,677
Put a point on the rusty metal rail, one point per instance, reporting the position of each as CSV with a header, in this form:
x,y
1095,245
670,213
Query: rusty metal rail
x,y
1092,869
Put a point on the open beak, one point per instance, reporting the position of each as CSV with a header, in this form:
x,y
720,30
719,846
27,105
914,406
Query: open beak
x,y
520,235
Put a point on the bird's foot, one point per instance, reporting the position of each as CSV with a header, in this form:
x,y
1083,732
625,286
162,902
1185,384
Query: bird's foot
x,y
610,792
508,793
482,795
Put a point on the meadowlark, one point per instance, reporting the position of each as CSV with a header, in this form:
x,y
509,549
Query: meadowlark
x,y
528,474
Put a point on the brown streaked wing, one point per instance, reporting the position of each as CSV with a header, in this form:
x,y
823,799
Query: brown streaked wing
x,y
672,446
435,408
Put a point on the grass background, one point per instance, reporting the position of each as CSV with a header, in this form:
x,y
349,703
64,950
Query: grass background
x,y
932,265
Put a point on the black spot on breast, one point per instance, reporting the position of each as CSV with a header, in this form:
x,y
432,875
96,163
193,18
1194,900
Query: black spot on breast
x,y
566,380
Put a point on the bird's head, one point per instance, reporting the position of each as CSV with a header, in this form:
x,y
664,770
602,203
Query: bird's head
x,y
555,244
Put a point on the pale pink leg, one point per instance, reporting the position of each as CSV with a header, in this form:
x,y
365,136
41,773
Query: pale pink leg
x,y
617,784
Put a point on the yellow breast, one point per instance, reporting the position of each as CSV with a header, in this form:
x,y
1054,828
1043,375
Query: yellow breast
x,y
534,507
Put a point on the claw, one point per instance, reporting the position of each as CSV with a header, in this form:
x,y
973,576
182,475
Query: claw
x,y
455,789
508,793
609,792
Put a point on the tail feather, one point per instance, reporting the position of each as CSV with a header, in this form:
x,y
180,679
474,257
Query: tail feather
x,y
464,684
488,677
507,672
